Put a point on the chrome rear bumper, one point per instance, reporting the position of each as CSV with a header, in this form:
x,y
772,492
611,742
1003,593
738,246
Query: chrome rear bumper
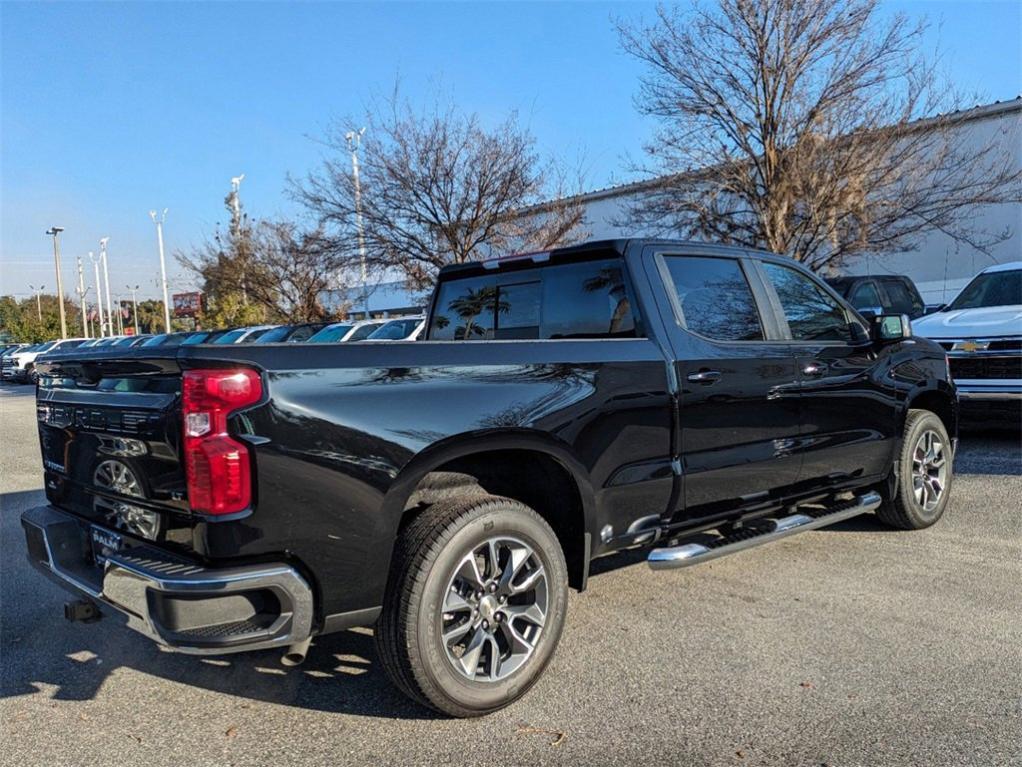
x,y
174,602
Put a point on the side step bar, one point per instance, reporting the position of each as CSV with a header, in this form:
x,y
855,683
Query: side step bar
x,y
687,554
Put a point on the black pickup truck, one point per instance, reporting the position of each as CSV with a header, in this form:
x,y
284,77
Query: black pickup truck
x,y
565,405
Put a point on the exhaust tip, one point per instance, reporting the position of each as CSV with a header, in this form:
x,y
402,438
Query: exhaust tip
x,y
296,653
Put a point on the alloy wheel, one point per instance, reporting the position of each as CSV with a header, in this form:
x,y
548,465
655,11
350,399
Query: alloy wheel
x,y
929,470
494,609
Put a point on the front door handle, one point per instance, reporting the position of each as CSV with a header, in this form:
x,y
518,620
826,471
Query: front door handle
x,y
704,376
813,369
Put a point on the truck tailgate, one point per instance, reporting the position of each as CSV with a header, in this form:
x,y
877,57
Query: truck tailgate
x,y
110,434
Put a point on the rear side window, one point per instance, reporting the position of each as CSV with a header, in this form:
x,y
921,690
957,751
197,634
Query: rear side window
x,y
582,300
715,298
812,314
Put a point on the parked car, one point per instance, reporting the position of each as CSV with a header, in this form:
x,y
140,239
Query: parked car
x,y
399,329
21,366
6,368
357,330
981,330
247,335
168,340
291,334
692,399
884,294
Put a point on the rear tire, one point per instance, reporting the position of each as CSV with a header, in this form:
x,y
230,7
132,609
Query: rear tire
x,y
923,484
457,633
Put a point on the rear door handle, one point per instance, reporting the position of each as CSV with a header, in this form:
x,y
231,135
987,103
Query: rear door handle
x,y
704,376
814,369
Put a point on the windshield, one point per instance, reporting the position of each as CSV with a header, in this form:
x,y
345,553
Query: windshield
x,y
395,330
991,289
256,335
330,333
231,336
363,331
275,335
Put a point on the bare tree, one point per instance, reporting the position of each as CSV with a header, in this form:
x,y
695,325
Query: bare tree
x,y
263,271
811,128
437,188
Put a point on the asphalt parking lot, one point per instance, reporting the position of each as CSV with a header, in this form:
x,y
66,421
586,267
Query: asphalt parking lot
x,y
853,645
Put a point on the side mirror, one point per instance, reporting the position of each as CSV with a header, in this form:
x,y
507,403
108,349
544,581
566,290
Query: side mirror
x,y
890,328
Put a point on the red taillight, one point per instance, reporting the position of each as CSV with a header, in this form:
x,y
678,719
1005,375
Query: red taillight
x,y
216,465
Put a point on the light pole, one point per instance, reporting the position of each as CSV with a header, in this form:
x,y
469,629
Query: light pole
x,y
38,300
163,264
134,307
106,278
55,231
354,142
81,297
120,317
85,306
99,294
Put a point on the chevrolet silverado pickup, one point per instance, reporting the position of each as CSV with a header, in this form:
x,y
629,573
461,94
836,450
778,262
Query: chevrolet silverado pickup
x,y
561,406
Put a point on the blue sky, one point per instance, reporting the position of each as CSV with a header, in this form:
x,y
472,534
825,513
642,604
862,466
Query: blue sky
x,y
110,109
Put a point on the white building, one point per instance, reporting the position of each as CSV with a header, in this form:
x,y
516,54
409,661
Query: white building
x,y
939,266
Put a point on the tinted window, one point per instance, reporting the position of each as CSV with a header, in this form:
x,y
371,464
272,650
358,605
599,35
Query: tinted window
x,y
903,300
715,298
195,338
465,310
587,300
255,335
865,296
330,333
991,289
812,314
583,300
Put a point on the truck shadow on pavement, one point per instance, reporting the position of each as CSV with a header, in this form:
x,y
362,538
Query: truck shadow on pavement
x,y
41,653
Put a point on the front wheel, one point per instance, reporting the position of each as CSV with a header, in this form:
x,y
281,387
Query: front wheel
x,y
924,482
475,604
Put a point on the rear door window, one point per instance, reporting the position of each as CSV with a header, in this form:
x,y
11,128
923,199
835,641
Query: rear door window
x,y
714,298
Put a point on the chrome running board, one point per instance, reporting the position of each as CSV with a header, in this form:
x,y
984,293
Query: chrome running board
x,y
687,554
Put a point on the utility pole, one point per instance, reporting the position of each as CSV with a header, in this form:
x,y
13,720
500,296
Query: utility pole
x,y
55,231
88,320
163,264
38,300
120,318
99,295
106,278
354,142
134,307
81,296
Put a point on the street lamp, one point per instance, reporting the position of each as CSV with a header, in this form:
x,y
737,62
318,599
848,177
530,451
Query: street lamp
x,y
354,139
106,278
38,300
55,232
134,306
99,295
80,290
163,264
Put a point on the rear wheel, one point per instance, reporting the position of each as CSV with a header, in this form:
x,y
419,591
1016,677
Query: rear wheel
x,y
475,604
924,482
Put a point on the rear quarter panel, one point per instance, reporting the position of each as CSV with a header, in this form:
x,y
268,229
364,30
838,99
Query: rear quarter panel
x,y
339,435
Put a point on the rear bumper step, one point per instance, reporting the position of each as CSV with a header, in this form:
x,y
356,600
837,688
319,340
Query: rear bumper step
x,y
177,603
687,554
